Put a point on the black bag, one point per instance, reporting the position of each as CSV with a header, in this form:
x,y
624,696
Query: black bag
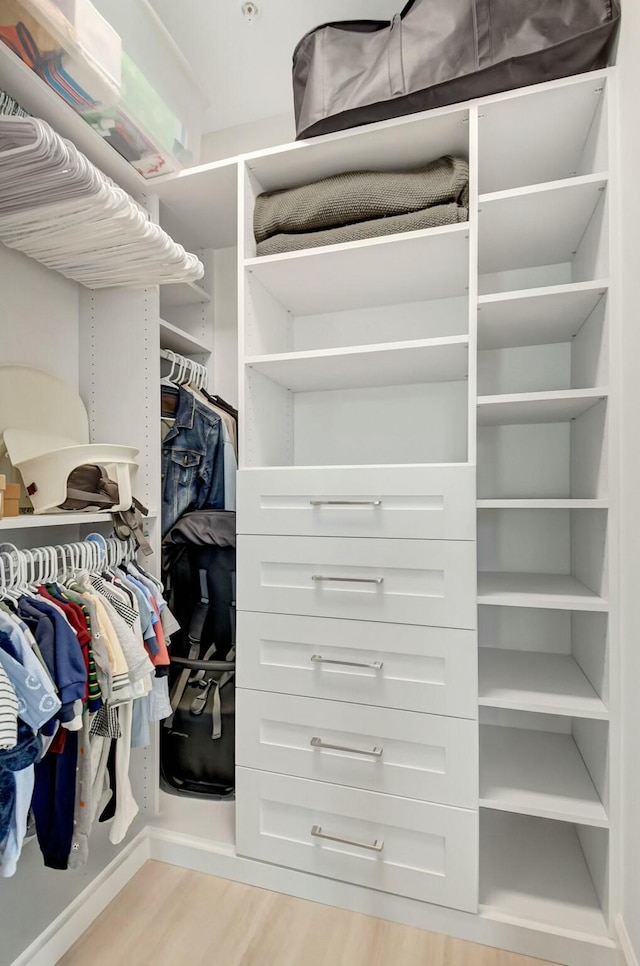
x,y
198,741
439,52
197,748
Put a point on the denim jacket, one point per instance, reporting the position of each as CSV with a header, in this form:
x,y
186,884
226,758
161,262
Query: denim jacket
x,y
192,461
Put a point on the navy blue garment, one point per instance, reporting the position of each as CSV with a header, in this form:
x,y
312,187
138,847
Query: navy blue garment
x,y
41,627
7,645
192,461
53,804
70,673
15,759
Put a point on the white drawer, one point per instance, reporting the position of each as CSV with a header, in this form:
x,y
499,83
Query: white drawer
x,y
408,848
414,502
403,581
423,756
413,668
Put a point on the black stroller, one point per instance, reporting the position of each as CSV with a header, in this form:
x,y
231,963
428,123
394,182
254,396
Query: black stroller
x,y
197,743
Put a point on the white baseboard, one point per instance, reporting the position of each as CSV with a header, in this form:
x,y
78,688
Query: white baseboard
x,y
526,938
192,853
54,942
625,943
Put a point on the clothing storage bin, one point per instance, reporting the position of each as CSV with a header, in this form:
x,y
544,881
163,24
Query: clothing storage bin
x,y
421,756
408,848
412,668
70,45
403,581
96,39
413,502
439,52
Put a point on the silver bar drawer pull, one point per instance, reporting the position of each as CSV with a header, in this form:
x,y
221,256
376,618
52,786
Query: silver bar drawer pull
x,y
376,846
345,502
372,666
349,580
375,752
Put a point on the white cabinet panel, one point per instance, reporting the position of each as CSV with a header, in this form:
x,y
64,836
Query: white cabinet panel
x,y
413,668
408,848
414,502
403,581
420,756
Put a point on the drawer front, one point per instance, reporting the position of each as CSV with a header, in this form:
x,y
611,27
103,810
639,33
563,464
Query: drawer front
x,y
402,581
422,756
412,502
408,848
413,668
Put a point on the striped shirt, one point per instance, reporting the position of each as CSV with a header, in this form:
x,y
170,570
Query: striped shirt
x,y
8,713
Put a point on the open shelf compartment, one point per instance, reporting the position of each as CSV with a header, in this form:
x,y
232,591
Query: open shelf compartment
x,y
374,425
179,340
574,467
538,225
538,558
411,267
534,764
565,134
553,661
537,316
549,874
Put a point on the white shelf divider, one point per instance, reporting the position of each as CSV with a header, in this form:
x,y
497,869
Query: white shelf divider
x,y
537,682
538,316
543,504
174,338
536,225
537,773
31,521
533,871
183,293
556,406
411,267
204,198
551,591
423,360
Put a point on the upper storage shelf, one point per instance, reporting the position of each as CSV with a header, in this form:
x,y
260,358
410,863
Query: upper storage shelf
x,y
428,360
203,203
540,316
413,267
565,134
541,224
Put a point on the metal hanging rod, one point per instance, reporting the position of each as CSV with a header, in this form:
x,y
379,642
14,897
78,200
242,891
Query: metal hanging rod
x,y
45,564
185,371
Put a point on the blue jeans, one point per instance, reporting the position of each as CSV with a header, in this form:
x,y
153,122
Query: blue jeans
x,y
192,461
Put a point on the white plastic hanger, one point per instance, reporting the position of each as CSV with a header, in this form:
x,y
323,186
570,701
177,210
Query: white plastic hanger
x,y
58,208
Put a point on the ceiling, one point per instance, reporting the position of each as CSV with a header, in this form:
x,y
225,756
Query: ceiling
x,y
245,67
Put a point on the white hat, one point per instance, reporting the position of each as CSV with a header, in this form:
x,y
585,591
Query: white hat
x,y
45,463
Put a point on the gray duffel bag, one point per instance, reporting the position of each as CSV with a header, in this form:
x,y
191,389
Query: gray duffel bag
x,y
439,52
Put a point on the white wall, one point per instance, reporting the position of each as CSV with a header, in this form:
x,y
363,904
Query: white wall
x,y
244,138
629,69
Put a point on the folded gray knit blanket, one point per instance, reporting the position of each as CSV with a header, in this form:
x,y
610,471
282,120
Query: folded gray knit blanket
x,y
413,221
356,196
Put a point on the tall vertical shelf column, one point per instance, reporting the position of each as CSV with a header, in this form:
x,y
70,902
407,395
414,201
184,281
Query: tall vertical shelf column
x,y
546,318
356,520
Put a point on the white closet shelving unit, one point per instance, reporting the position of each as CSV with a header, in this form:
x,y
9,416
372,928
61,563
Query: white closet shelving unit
x,y
369,369
437,410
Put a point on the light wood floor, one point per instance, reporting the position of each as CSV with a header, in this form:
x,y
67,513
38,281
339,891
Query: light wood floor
x,y
168,916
